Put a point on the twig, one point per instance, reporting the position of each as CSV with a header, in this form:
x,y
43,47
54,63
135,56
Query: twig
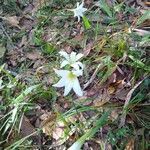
x,y
93,76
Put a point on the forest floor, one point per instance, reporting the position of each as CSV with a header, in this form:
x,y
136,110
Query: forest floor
x,y
113,112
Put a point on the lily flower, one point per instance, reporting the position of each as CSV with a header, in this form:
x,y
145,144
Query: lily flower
x,y
72,60
79,10
69,80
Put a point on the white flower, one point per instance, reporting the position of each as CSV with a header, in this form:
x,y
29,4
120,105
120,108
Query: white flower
x,y
72,60
78,12
76,146
69,80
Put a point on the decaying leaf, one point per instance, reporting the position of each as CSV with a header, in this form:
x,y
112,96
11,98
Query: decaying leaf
x,y
26,127
102,100
58,131
24,41
39,4
13,21
33,55
88,48
49,124
130,145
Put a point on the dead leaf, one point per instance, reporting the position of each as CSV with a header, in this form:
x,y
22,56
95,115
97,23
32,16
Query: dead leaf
x,y
49,124
26,127
114,115
111,89
13,21
88,48
39,4
102,99
58,131
130,145
24,41
33,55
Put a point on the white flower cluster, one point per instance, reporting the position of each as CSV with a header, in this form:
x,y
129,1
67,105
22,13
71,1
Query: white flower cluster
x,y
69,79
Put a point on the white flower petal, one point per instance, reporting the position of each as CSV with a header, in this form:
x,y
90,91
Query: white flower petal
x,y
60,83
78,18
79,10
78,4
61,73
79,56
76,146
73,56
64,63
81,5
77,65
68,87
77,88
64,54
78,72
84,9
80,64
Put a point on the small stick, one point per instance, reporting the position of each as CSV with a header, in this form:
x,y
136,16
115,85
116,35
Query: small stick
x,y
93,76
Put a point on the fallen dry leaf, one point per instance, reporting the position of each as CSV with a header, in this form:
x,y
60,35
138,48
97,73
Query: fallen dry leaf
x,y
130,145
26,127
114,115
13,21
24,41
111,89
102,99
33,55
58,131
39,4
49,124
88,48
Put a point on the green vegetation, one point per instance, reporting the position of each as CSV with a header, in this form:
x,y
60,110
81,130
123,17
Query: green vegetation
x,y
113,112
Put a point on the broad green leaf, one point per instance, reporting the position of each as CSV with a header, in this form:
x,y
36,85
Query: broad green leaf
x,y
48,48
86,23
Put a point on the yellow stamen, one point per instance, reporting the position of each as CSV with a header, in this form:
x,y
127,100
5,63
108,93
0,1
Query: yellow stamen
x,y
71,76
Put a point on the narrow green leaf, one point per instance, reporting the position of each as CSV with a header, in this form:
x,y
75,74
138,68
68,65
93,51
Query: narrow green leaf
x,y
24,94
104,6
89,134
144,17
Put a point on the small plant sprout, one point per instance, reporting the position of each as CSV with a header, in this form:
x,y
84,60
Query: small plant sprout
x,y
79,10
69,80
72,60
